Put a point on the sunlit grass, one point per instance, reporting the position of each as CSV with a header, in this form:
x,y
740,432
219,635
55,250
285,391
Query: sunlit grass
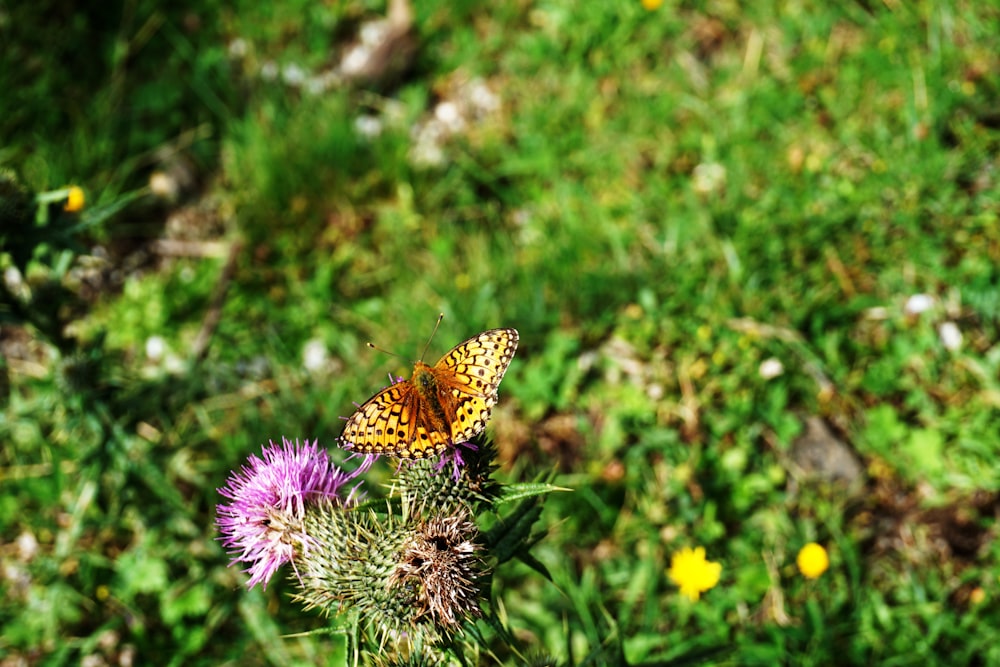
x,y
706,223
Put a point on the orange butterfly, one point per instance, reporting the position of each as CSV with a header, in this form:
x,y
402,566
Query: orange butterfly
x,y
441,405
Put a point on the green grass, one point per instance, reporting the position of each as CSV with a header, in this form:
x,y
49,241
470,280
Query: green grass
x,y
660,202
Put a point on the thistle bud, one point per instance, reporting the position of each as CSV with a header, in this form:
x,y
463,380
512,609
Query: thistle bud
x,y
425,486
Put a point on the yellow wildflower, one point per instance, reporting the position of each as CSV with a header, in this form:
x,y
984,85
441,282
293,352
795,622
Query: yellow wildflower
x,y
694,574
74,199
652,4
812,560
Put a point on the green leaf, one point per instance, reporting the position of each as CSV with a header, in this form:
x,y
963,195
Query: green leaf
x,y
515,492
926,449
194,602
512,536
528,559
141,572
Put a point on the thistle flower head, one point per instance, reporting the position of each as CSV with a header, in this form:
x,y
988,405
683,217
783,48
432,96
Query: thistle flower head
x,y
263,523
442,568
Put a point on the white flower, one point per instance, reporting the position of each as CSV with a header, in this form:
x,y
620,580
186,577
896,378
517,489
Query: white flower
x,y
950,335
238,48
771,368
293,75
449,116
27,546
269,71
156,347
368,126
918,303
483,99
708,178
314,355
164,186
12,279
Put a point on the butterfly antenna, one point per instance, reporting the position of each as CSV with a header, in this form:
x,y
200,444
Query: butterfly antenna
x,y
436,325
383,351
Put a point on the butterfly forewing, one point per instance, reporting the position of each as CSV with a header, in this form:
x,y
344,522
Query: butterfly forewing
x,y
478,364
383,421
472,372
411,422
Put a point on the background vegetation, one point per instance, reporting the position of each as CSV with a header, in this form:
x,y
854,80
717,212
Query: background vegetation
x,y
753,253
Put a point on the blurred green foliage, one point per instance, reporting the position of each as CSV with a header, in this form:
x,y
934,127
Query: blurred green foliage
x,y
660,201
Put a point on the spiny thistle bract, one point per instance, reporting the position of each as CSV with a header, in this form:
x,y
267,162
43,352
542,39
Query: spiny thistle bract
x,y
410,572
460,481
408,575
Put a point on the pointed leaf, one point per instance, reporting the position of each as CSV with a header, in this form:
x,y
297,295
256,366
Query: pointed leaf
x,y
528,559
515,492
513,534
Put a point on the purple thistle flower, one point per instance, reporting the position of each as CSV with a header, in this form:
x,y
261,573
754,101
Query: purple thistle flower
x,y
263,525
453,455
367,460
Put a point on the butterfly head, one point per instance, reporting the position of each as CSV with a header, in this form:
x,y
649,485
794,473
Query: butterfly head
x,y
423,378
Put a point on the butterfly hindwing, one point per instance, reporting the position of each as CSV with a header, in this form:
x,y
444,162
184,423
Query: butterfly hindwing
x,y
471,416
472,372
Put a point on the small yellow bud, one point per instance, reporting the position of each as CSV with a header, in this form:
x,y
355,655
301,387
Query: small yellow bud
x,y
812,560
75,200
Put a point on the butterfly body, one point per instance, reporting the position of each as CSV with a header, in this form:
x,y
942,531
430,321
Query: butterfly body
x,y
439,406
428,400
